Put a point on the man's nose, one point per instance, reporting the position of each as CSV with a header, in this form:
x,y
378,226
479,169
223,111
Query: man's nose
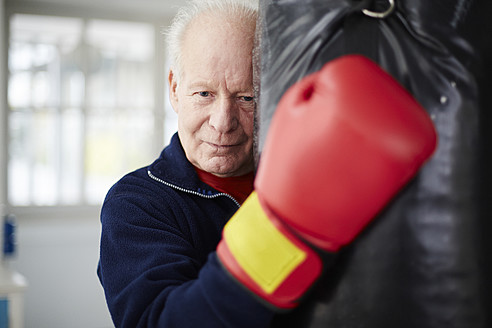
x,y
224,116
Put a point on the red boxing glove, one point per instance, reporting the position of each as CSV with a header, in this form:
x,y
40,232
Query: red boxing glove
x,y
341,144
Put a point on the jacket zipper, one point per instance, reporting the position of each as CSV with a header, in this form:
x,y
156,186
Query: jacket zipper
x,y
192,191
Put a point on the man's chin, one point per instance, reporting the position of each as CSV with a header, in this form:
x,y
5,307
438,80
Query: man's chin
x,y
225,169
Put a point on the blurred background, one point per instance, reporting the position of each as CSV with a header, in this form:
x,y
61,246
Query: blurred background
x,y
83,100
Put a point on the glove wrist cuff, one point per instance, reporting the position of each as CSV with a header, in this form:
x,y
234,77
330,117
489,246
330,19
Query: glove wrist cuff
x,y
265,257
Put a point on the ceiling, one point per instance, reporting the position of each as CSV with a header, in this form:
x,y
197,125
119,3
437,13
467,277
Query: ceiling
x,y
152,8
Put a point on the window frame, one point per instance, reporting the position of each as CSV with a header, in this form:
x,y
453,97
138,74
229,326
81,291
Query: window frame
x,y
85,13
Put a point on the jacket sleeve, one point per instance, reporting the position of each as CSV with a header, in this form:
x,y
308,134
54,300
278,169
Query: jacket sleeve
x,y
153,275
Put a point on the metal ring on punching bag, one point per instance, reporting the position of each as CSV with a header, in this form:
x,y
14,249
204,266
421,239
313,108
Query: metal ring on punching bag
x,y
383,14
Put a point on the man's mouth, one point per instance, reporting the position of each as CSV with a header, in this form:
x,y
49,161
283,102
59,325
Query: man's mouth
x,y
223,146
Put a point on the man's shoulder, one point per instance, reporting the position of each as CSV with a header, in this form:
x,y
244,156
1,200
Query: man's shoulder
x,y
135,183
136,195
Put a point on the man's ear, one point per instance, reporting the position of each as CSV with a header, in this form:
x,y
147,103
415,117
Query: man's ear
x,y
173,90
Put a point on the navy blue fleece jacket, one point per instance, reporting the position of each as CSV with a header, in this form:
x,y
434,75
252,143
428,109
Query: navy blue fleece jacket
x,y
158,268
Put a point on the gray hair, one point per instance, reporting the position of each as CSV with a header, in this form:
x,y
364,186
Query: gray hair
x,y
246,10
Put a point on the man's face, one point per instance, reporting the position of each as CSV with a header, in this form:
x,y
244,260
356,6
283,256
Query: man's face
x,y
214,97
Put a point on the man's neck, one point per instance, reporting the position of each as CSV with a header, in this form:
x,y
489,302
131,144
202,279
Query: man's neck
x,y
238,187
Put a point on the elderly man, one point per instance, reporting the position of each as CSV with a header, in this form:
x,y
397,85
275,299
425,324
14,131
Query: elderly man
x,y
166,258
161,224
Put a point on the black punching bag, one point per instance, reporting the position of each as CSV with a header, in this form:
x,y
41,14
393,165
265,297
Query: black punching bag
x,y
425,261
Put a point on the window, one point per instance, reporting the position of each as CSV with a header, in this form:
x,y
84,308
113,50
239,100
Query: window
x,y
82,107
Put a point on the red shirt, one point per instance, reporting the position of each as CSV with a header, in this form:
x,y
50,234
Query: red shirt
x,y
238,187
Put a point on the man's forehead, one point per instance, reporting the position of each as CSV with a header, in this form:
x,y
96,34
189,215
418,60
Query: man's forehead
x,y
216,82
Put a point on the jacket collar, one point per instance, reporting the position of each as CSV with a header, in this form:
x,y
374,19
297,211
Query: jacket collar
x,y
173,167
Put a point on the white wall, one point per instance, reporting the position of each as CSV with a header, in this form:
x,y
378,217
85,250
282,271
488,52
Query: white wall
x,y
3,132
59,257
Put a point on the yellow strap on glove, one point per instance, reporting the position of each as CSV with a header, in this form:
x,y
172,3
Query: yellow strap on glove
x,y
262,251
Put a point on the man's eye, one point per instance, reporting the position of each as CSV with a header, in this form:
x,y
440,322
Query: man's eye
x,y
246,98
204,93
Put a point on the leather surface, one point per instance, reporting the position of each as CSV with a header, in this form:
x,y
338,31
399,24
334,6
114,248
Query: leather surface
x,y
425,262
